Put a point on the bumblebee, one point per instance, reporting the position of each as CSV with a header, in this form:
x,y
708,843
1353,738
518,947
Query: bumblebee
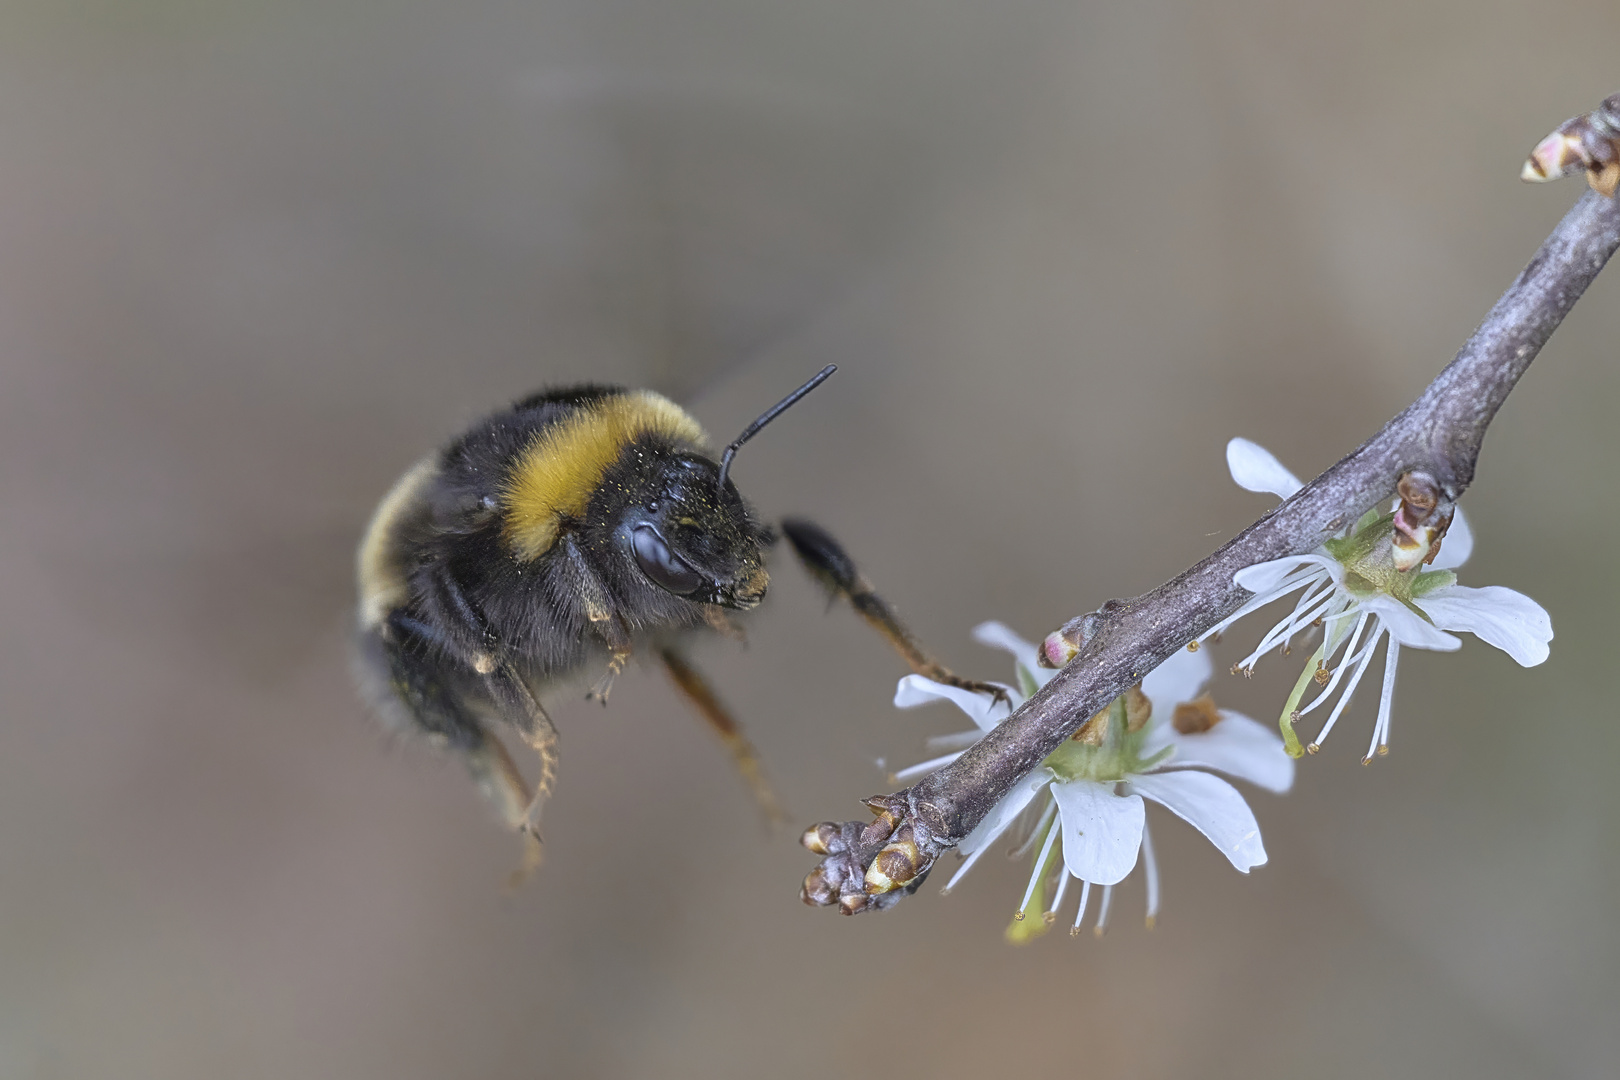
x,y
581,525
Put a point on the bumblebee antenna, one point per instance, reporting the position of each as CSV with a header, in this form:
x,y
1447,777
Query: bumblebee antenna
x,y
770,414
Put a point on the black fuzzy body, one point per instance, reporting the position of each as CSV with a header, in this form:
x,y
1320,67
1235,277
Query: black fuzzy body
x,y
459,614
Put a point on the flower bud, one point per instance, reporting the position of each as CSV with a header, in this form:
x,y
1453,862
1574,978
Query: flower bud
x,y
1590,142
1420,521
1056,650
817,891
1065,643
824,839
897,864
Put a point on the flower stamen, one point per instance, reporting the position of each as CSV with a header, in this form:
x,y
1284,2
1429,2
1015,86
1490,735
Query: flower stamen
x,y
1289,627
1351,656
1290,711
1038,874
1291,581
1380,740
1035,834
1085,898
1355,680
1312,594
1050,915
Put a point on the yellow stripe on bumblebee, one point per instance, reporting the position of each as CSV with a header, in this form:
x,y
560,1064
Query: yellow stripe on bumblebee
x,y
554,478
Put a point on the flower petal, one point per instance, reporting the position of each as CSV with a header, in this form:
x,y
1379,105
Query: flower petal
x,y
1213,807
998,636
1176,680
1408,627
1263,577
914,690
1102,831
1457,546
1240,747
1507,619
1005,812
1255,469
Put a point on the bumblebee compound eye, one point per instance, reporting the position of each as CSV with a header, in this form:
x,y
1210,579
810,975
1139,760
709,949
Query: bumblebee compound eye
x,y
662,565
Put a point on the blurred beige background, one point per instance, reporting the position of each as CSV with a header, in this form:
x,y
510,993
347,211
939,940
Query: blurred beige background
x,y
254,258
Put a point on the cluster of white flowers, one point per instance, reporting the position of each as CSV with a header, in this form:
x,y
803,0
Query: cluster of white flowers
x,y
1353,588
1083,806
1159,746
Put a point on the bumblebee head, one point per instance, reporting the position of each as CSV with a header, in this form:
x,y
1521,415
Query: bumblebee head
x,y
693,536
690,535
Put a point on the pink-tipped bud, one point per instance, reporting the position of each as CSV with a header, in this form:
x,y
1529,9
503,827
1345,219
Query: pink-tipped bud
x,y
1056,650
1590,143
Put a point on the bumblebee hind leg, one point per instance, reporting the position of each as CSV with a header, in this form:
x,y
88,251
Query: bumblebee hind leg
x,y
498,778
831,565
502,683
432,693
691,683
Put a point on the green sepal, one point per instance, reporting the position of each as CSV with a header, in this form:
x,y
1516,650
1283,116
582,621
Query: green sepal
x,y
1427,581
1369,531
1115,760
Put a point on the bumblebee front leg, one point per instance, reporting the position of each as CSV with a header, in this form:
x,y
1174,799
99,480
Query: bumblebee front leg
x,y
618,655
831,565
691,683
598,606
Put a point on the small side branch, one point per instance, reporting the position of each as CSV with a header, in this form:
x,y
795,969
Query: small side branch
x,y
872,865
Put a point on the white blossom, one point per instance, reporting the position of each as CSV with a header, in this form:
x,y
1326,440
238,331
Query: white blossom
x,y
1353,588
1160,743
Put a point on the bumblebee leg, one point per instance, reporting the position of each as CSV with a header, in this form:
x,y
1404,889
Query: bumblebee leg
x,y
599,610
697,690
443,699
533,725
619,646
721,623
498,778
831,565
510,693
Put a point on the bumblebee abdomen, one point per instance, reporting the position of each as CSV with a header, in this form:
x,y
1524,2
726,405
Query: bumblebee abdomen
x,y
382,569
